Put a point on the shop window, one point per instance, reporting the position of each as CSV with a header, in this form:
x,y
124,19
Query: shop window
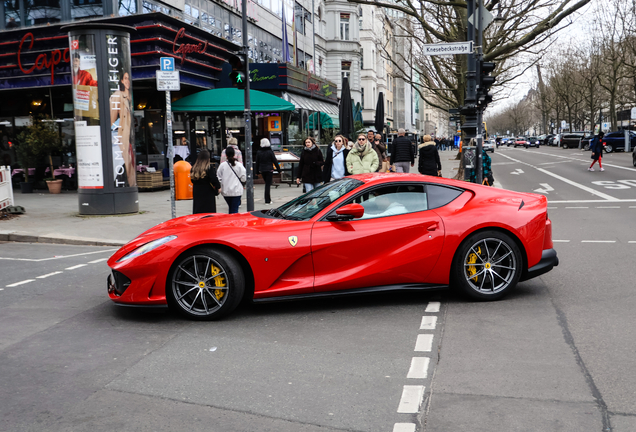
x,y
127,7
82,9
42,11
344,26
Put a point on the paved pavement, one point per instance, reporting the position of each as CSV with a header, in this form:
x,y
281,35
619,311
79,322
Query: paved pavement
x,y
56,219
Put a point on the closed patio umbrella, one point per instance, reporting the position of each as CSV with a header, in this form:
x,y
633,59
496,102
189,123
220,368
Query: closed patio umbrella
x,y
346,110
379,114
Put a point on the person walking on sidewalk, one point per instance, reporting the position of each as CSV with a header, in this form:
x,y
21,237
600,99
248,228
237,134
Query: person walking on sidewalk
x,y
362,158
265,164
205,184
335,163
232,142
232,175
597,151
310,165
402,153
428,158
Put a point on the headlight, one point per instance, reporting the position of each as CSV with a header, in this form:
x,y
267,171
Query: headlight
x,y
147,247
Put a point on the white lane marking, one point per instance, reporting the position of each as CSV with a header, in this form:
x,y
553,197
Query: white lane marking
x,y
424,343
48,274
432,307
20,283
568,181
631,241
555,162
404,427
57,257
97,260
517,171
576,207
419,367
632,206
411,400
552,208
428,322
590,201
598,241
546,188
75,267
560,241
608,207
587,161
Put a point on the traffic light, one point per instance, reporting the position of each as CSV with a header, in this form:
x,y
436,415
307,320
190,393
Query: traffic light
x,y
484,81
238,76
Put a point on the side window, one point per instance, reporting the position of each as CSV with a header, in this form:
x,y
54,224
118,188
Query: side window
x,y
439,196
392,201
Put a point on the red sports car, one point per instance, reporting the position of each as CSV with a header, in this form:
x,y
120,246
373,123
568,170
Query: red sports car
x,y
364,233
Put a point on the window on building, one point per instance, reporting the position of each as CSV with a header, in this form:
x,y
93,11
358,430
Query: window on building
x,y
40,11
344,26
362,58
299,16
127,7
81,9
362,97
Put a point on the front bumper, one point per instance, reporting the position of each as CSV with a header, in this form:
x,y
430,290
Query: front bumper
x,y
549,260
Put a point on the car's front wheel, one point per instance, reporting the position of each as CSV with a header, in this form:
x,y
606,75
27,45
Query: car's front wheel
x,y
565,146
609,148
487,265
205,284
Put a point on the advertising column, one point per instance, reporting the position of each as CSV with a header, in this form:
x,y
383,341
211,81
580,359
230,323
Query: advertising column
x,y
102,99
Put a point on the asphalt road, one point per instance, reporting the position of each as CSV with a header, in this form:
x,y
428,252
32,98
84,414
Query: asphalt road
x,y
556,355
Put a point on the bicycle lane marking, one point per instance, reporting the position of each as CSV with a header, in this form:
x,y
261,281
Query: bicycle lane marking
x,y
568,181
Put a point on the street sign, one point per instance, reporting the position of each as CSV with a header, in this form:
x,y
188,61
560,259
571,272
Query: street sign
x,y
633,113
563,124
448,48
168,80
166,64
486,17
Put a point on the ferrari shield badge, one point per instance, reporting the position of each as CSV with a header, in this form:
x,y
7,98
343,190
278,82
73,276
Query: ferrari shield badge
x,y
293,240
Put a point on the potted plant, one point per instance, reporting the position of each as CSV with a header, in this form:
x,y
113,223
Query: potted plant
x,y
40,138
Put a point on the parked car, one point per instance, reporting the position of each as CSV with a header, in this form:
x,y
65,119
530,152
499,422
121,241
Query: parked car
x,y
585,142
571,140
556,140
634,156
489,145
521,141
481,240
534,142
615,141
548,139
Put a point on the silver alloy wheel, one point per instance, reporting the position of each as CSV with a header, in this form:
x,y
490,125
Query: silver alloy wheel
x,y
200,285
609,148
490,266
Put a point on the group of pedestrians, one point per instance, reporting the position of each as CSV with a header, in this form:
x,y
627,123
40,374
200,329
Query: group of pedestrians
x,y
367,154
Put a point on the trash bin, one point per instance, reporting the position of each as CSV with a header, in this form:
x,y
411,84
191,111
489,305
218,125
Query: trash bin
x,y
182,182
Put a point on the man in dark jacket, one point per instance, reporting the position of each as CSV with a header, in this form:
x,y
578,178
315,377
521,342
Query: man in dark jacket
x,y
402,153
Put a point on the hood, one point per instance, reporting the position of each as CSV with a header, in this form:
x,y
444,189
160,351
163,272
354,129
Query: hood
x,y
429,143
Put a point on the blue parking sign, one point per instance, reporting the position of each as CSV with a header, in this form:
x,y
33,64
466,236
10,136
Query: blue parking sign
x,y
167,64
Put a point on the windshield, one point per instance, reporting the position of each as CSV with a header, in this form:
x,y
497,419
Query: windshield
x,y
310,204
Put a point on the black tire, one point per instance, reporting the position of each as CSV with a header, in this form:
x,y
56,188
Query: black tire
x,y
586,147
203,294
609,148
634,159
565,146
487,266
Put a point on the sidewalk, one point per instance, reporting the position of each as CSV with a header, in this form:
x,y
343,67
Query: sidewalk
x,y
55,218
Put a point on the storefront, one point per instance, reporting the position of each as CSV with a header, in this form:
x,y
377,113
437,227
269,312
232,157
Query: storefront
x,y
35,80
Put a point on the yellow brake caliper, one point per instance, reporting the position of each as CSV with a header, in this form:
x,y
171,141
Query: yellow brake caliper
x,y
472,259
218,281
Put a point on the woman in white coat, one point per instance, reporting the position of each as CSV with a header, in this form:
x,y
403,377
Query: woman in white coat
x,y
232,175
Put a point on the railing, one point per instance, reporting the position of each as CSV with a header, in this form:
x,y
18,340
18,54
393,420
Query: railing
x,y
6,190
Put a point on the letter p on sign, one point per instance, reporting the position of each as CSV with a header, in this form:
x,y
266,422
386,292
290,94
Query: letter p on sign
x,y
167,64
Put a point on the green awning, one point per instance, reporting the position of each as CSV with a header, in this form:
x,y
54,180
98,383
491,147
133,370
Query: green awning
x,y
231,99
326,121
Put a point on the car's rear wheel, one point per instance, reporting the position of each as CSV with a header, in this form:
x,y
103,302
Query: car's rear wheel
x,y
205,284
565,146
609,148
487,265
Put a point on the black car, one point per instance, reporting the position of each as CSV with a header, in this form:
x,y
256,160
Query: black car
x,y
615,141
586,141
534,142
572,140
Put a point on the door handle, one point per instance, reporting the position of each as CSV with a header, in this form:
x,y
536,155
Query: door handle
x,y
432,226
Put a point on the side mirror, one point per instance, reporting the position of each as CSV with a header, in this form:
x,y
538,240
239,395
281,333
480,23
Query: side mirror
x,y
347,212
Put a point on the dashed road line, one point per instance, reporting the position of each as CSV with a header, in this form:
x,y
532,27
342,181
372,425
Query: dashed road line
x,y
419,368
404,427
47,275
577,207
56,257
20,283
424,343
608,207
428,322
598,241
75,267
432,307
98,260
411,400
560,241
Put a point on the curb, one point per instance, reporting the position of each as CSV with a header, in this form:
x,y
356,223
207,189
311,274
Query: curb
x,y
25,238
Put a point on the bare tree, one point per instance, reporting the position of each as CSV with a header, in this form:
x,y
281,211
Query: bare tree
x,y
529,25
